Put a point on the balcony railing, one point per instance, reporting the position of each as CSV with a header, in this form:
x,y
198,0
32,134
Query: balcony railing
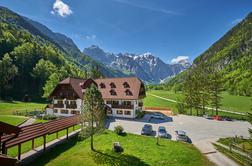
x,y
122,106
71,106
58,105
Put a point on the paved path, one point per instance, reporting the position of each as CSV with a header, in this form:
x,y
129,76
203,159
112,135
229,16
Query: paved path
x,y
209,108
201,131
28,122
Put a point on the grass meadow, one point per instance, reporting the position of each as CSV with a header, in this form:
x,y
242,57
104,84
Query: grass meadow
x,y
138,151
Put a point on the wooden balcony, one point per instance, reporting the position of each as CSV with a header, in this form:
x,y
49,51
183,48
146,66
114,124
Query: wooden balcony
x,y
58,105
71,106
122,106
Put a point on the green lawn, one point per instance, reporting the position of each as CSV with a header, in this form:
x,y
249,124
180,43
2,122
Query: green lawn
x,y
9,108
229,102
27,146
151,101
12,119
138,151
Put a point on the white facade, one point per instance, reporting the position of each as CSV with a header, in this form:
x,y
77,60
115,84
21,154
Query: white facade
x,y
119,108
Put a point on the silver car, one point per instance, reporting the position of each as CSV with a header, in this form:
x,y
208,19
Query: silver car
x,y
162,132
181,136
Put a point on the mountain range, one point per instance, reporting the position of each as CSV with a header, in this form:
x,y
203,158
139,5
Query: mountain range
x,y
146,66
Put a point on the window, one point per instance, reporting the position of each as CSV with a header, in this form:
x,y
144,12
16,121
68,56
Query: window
x,y
128,92
112,92
102,85
112,85
60,102
55,111
75,112
126,102
119,112
109,102
126,85
64,111
115,102
127,112
109,111
72,102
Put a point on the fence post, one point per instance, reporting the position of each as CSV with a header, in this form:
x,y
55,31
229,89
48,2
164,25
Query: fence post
x,y
44,142
32,144
67,133
19,151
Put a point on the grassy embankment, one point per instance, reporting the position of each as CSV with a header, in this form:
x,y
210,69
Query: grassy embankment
x,y
12,119
9,110
229,102
138,151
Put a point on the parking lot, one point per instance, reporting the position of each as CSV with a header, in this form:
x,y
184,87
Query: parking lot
x,y
201,131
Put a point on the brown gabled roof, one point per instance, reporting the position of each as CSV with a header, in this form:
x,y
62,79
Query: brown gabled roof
x,y
134,87
133,82
74,82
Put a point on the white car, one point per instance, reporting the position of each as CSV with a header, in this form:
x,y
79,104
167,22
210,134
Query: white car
x,y
181,136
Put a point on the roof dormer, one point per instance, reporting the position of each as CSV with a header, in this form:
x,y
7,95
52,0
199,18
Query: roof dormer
x,y
112,92
126,85
102,85
128,92
112,85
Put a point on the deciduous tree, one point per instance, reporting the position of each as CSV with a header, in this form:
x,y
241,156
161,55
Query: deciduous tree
x,y
7,72
93,114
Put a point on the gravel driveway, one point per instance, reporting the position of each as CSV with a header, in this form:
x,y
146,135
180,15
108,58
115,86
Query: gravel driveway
x,y
201,131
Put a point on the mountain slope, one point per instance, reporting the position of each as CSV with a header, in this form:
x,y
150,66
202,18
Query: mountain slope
x,y
149,68
232,56
31,56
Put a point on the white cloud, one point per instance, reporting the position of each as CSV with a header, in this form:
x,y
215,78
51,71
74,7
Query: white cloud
x,y
90,37
61,8
179,59
236,21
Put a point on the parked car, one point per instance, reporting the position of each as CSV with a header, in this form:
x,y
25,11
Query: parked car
x,y
216,117
162,132
227,119
207,117
147,129
158,116
181,136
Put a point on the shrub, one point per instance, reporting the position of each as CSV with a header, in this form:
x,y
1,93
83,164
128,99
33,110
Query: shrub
x,y
119,130
140,114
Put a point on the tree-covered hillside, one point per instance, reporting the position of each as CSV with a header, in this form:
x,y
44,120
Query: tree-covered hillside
x,y
28,59
232,57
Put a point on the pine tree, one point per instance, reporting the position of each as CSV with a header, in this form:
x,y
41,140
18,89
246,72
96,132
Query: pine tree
x,y
188,91
216,88
93,114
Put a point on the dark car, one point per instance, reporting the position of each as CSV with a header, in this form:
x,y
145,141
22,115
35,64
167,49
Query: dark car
x,y
162,132
146,130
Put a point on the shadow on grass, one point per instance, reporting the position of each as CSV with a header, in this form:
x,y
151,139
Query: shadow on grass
x,y
111,158
54,152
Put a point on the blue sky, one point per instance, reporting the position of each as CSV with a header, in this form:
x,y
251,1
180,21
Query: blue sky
x,y
166,28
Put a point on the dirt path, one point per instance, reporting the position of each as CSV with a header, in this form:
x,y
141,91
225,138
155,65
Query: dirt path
x,y
206,147
28,122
